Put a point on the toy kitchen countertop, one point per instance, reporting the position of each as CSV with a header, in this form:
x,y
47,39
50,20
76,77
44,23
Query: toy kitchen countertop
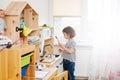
x,y
47,74
50,60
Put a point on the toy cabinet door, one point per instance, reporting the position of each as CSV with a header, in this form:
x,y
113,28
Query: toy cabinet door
x,y
14,61
3,65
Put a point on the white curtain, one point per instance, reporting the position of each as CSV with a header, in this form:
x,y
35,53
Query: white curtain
x,y
104,20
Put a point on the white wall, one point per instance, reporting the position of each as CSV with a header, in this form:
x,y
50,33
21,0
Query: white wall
x,y
85,30
41,7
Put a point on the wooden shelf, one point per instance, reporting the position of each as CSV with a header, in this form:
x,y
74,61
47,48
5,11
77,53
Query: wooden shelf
x,y
48,38
34,29
24,48
45,27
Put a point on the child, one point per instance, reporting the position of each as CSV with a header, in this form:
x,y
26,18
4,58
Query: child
x,y
2,22
68,52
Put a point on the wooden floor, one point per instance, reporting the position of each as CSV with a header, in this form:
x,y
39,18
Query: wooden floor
x,y
81,78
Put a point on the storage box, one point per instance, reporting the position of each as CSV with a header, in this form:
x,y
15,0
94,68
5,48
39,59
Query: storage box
x,y
25,60
23,70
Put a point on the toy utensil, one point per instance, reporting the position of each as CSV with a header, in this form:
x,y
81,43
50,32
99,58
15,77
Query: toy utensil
x,y
57,38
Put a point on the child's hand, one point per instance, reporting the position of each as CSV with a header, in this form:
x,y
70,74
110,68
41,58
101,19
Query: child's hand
x,y
60,50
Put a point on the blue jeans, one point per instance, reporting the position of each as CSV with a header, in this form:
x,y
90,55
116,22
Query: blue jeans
x,y
70,67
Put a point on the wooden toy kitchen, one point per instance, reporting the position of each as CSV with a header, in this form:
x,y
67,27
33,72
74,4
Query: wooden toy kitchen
x,y
23,61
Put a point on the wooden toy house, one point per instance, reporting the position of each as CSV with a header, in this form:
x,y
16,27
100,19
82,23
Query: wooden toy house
x,y
18,12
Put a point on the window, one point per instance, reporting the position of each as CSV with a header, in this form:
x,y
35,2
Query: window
x,y
67,8
61,22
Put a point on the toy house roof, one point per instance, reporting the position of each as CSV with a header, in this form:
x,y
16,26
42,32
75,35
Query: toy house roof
x,y
16,8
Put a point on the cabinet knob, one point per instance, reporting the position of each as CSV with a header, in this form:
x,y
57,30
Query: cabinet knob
x,y
32,18
13,21
17,74
18,29
57,66
61,63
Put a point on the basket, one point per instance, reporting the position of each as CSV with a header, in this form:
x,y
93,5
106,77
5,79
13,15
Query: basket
x,y
25,60
23,70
